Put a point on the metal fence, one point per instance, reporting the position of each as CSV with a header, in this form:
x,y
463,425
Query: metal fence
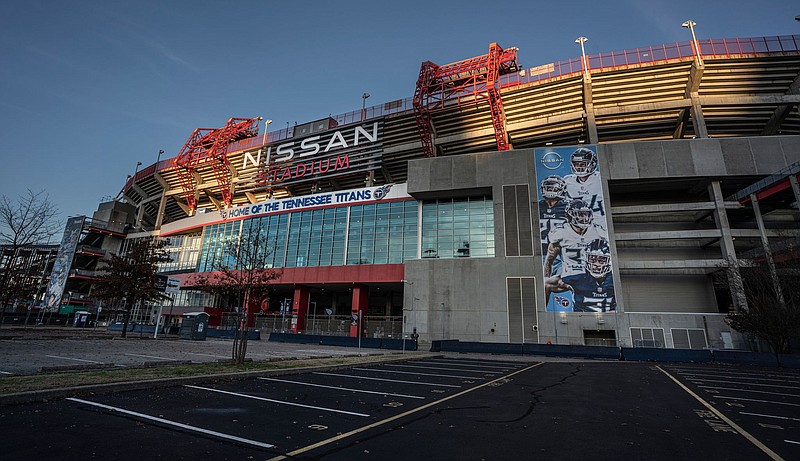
x,y
374,326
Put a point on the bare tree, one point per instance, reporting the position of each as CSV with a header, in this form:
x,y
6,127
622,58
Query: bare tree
x,y
773,299
132,276
30,220
241,273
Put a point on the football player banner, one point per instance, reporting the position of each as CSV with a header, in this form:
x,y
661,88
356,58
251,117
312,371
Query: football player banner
x,y
576,256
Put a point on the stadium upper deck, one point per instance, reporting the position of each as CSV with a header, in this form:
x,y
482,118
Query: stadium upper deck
x,y
743,87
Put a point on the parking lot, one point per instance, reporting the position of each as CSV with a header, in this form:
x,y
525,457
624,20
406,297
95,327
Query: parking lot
x,y
449,407
29,356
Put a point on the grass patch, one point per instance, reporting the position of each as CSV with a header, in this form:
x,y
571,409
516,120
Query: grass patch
x,y
46,381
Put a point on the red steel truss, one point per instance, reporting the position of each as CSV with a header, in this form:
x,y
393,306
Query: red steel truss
x,y
210,145
472,77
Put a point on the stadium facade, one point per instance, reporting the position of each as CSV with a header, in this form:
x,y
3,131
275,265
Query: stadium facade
x,y
652,175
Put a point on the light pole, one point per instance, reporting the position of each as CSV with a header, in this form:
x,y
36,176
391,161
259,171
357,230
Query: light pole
x,y
266,129
689,24
581,40
313,316
404,314
138,164
158,159
364,105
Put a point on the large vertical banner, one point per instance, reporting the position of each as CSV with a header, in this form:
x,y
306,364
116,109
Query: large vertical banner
x,y
63,262
576,256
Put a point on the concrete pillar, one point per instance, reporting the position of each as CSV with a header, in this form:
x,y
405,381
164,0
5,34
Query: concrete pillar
x,y
161,207
728,251
300,302
360,302
588,108
762,231
796,190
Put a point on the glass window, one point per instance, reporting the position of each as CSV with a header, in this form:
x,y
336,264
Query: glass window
x,y
458,228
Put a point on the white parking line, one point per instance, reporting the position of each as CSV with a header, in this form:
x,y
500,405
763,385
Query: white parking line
x,y
756,400
151,357
748,391
445,369
443,362
417,374
768,416
277,401
5,373
70,358
700,380
734,373
388,380
699,376
343,388
317,351
792,441
174,423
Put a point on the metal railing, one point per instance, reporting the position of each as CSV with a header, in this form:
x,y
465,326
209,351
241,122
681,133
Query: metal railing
x,y
678,51
375,326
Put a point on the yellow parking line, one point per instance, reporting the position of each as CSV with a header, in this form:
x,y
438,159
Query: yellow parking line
x,y
393,418
730,422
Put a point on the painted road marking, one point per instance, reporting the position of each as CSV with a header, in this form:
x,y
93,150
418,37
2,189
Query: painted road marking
x,y
342,388
748,391
768,416
727,420
6,373
393,418
175,424
152,357
70,358
442,362
734,374
277,401
698,376
486,372
417,374
756,400
792,441
471,364
736,382
318,351
389,380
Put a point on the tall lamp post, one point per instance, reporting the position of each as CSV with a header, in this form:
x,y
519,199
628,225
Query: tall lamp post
x,y
266,129
581,40
364,106
404,314
689,24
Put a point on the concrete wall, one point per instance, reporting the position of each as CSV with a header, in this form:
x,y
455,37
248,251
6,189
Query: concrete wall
x,y
466,298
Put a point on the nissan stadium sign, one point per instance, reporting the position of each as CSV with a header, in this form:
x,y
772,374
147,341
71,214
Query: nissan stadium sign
x,y
386,192
349,151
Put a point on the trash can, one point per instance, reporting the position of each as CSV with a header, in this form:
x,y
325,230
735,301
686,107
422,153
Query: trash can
x,y
194,326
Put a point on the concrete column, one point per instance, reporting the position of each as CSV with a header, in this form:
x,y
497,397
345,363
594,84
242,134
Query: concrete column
x,y
796,190
300,302
588,108
698,120
161,207
360,302
728,251
762,231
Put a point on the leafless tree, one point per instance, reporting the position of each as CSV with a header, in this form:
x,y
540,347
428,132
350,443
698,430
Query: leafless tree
x,y
132,276
241,272
773,300
29,220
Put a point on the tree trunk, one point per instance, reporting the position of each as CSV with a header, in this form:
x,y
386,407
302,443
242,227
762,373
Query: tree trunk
x,y
127,315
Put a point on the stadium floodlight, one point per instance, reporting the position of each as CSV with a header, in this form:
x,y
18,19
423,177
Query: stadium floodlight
x,y
581,40
689,24
266,129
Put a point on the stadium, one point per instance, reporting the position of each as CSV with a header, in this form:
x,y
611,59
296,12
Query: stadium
x,y
419,215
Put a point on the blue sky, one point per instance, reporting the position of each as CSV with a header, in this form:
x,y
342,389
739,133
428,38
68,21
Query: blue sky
x,y
88,88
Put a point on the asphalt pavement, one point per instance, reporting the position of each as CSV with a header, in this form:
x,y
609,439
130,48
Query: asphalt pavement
x,y
459,407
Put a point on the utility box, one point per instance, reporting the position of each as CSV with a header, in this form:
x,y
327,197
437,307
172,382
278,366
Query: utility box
x,y
81,319
194,326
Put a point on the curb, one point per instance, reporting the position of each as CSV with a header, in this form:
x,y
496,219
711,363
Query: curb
x,y
50,394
